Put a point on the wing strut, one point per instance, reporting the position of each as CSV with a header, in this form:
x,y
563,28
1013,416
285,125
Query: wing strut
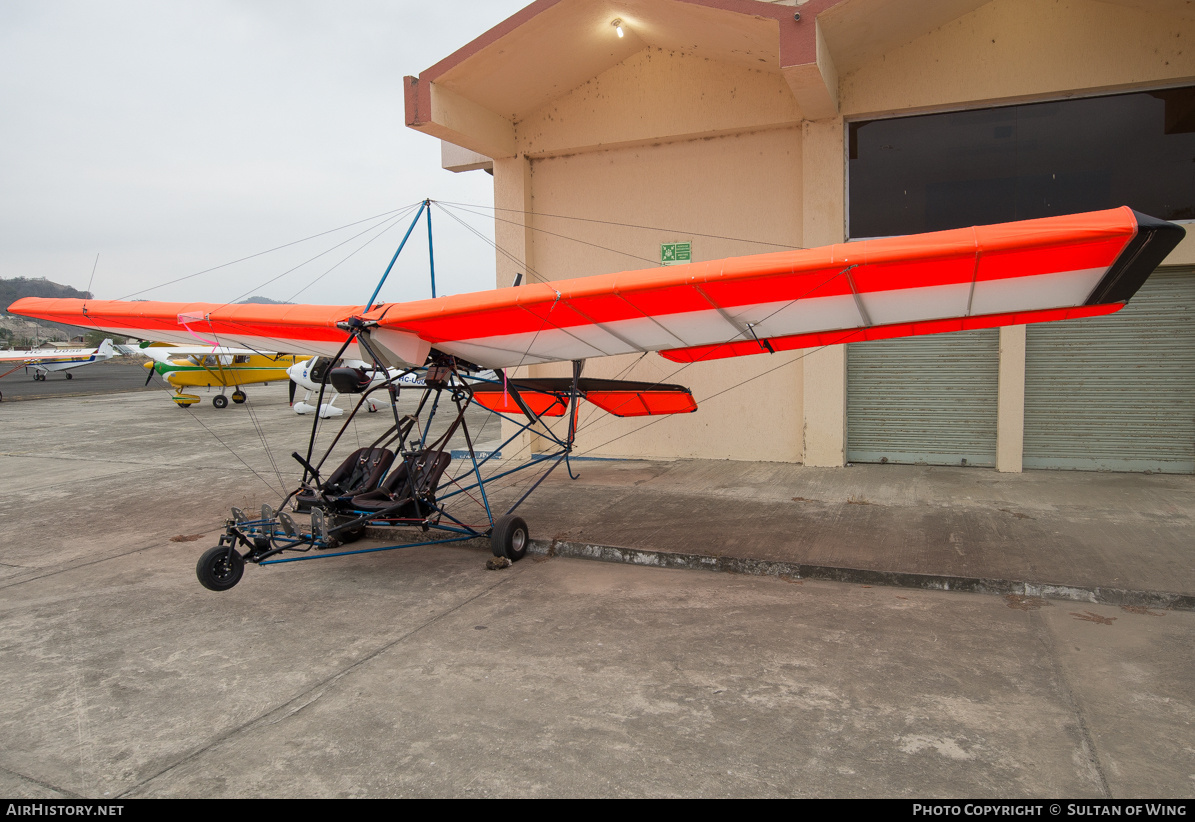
x,y
574,411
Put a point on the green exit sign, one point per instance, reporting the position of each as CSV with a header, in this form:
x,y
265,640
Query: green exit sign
x,y
676,253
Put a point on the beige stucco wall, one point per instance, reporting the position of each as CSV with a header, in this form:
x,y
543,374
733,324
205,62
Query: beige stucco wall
x,y
1010,50
666,140
719,187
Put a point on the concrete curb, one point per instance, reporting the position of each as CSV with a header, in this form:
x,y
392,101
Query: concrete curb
x,y
1160,600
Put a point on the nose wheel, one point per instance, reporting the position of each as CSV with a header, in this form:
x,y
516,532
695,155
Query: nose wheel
x,y
220,568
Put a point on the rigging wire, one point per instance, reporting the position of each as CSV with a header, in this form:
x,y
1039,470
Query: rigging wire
x,y
566,237
167,390
518,263
261,435
788,246
93,268
393,221
260,253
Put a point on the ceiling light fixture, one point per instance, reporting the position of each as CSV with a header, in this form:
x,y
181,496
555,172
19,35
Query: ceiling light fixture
x,y
617,23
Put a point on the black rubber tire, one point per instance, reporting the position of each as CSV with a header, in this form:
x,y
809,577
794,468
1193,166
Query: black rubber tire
x,y
510,538
239,397
347,535
218,570
69,375
220,401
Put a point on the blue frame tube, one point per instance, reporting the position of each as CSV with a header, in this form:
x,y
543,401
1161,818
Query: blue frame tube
x,y
393,259
431,258
367,550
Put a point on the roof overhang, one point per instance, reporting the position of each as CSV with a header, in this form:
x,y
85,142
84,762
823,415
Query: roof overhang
x,y
474,97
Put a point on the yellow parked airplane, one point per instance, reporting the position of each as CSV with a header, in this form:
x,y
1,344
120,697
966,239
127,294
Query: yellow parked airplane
x,y
200,366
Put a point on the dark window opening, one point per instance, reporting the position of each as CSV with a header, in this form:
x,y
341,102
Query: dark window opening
x,y
937,171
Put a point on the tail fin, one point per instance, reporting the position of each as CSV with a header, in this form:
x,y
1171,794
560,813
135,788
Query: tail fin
x,y
106,348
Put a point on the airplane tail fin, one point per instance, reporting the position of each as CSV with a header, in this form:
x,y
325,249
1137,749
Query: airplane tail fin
x,y
106,348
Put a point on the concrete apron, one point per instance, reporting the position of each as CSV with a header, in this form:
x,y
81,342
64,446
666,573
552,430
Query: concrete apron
x,y
1117,539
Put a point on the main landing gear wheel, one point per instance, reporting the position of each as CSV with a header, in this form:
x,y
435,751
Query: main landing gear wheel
x,y
239,396
510,538
69,375
220,568
220,401
346,535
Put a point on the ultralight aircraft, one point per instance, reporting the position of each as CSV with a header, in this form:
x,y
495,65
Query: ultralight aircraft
x,y
1040,270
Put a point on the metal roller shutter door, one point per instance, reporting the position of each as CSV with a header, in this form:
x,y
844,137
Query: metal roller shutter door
x,y
924,400
1116,393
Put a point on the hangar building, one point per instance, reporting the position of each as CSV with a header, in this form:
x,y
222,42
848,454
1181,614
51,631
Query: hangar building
x,y
619,132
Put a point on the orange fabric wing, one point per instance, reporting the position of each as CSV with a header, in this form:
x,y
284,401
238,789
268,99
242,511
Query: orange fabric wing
x,y
291,329
1030,271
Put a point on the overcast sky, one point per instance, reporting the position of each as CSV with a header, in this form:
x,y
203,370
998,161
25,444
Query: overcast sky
x,y
172,137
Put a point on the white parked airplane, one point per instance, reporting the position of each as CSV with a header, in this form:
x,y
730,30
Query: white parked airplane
x,y
45,360
309,373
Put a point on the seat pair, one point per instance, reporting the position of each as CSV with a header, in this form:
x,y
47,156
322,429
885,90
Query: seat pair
x,y
406,490
361,483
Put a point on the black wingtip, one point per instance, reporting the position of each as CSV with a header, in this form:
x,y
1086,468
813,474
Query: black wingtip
x,y
1154,241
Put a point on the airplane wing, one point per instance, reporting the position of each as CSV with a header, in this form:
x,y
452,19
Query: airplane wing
x,y
1054,268
18,357
165,353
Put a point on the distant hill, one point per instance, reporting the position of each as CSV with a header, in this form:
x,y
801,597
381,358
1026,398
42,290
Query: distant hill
x,y
15,329
18,287
264,301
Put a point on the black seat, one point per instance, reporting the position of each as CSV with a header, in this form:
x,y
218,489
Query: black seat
x,y
360,472
398,495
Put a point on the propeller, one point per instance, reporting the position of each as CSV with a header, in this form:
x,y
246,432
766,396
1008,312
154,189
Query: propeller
x,y
149,366
293,386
